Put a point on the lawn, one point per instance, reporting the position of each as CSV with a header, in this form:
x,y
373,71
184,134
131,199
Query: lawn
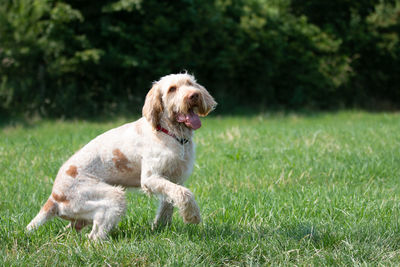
x,y
320,189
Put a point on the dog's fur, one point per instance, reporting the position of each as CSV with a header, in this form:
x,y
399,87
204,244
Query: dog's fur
x,y
89,187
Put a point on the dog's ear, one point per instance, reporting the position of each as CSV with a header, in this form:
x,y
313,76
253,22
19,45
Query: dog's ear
x,y
153,106
207,103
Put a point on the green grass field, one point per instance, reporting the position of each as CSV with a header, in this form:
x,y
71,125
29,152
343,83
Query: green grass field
x,y
273,189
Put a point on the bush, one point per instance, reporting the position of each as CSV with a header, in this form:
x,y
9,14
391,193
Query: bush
x,y
369,30
80,58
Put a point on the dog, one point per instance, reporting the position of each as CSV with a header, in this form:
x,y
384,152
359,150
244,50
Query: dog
x,y
155,153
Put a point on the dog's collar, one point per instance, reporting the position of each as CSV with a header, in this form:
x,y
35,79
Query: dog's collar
x,y
181,141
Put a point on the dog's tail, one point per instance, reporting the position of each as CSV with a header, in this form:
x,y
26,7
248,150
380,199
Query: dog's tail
x,y
48,211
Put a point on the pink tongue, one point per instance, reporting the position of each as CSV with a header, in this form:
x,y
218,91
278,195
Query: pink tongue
x,y
191,120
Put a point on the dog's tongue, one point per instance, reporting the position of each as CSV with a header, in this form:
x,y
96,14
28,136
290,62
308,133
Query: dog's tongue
x,y
191,120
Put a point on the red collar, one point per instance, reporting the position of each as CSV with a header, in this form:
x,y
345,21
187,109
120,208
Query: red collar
x,y
182,141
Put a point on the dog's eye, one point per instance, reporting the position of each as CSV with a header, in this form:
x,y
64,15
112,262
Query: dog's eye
x,y
172,89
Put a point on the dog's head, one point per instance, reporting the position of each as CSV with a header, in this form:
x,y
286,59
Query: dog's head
x,y
180,99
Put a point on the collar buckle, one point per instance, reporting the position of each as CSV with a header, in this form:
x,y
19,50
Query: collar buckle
x,y
181,141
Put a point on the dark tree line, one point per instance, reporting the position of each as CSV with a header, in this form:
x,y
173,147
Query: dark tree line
x,y
81,58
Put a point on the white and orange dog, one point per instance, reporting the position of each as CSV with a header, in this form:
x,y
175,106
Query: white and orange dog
x,y
155,153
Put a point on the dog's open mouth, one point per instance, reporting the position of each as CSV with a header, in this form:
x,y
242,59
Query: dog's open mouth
x,y
191,119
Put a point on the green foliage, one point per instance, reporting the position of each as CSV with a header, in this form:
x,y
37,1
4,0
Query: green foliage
x,y
384,28
78,58
39,54
369,30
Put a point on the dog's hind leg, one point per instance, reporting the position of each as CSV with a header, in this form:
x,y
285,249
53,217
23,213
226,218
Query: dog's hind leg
x,y
105,217
48,211
98,203
84,202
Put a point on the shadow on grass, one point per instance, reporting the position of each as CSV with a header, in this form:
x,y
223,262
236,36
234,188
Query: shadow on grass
x,y
319,236
14,122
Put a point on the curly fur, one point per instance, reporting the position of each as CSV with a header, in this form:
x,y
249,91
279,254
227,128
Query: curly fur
x,y
89,187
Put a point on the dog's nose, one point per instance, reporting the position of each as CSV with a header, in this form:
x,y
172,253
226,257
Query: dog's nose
x,y
194,97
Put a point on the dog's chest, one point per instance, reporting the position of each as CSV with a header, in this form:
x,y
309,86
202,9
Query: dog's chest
x,y
180,167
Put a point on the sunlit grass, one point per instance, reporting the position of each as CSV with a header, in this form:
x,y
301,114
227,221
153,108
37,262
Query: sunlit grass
x,y
273,189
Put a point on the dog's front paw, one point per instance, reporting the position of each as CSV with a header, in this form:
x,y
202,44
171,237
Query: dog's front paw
x,y
191,213
30,227
187,206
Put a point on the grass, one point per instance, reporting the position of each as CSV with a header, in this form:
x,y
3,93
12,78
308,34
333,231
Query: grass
x,y
316,190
